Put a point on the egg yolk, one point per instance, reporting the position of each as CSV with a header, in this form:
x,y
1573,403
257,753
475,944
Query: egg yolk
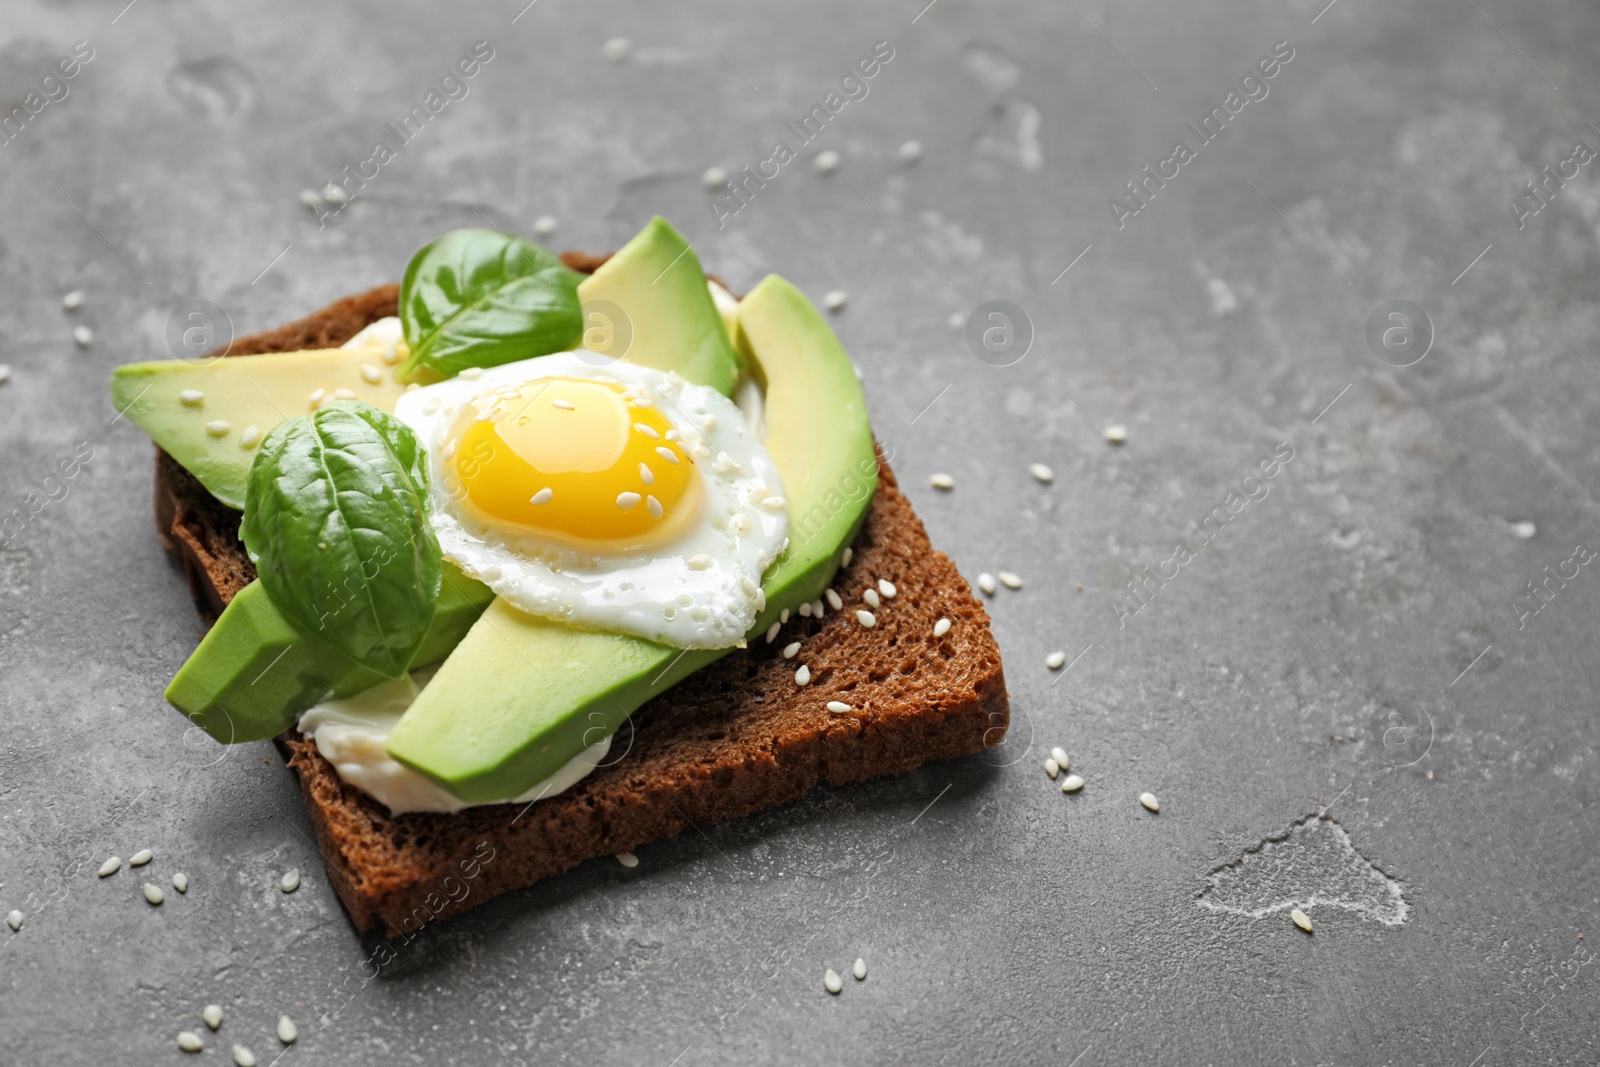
x,y
580,461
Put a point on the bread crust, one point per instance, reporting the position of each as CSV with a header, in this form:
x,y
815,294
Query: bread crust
x,y
734,738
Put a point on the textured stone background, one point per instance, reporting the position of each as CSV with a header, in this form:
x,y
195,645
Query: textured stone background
x,y
1347,645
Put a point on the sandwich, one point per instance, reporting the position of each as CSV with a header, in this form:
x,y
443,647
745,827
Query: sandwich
x,y
532,559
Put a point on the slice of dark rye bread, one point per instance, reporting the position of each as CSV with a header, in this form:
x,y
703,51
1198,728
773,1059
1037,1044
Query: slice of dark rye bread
x,y
734,738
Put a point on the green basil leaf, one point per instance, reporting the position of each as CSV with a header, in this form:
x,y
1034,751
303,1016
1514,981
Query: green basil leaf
x,y
478,298
336,522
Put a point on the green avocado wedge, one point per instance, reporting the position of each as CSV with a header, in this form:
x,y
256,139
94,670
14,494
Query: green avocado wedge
x,y
649,305
254,672
521,695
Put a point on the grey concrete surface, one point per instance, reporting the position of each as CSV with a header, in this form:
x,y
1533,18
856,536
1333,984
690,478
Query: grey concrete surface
x,y
1344,701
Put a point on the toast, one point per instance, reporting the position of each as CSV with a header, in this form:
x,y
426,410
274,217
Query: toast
x,y
733,738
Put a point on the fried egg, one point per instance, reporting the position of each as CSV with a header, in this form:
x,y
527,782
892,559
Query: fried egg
x,y
612,497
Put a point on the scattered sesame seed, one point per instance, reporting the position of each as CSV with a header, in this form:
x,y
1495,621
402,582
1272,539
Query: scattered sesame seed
x,y
666,453
805,611
941,627
1071,783
318,394
628,859
83,336
189,1041
153,893
251,437
180,882
839,707
1052,768
774,503
545,495
835,601
867,619
803,675
871,598
859,969
471,374
544,225
243,1057
836,300
370,374
5,373
832,982
140,858
617,49
748,585
335,195
1055,660
911,151
646,475
783,616
110,867
826,162
1042,473
791,650
816,608
1010,580
562,405
191,398
218,428
212,1015
648,431
627,500
350,394
942,481
391,352
14,920
73,300
1116,434
287,1031
1524,529
1301,919
887,588
1150,802
986,583
772,632
714,178
309,198
1059,754
849,554
699,562
290,881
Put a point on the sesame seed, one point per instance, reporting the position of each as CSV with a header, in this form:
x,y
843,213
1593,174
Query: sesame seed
x,y
290,881
1301,919
72,301
805,611
243,1057
645,402
772,632
836,300
835,601
1052,768
748,585
110,867
1116,434
886,587
563,405
774,503
911,151
849,554
217,428
654,506
816,608
309,199
941,627
370,374
318,394
628,859
189,1041
1055,660
826,162
83,336
5,373
1059,754
839,707
871,598
627,500
471,374
544,496
287,1031
832,982
714,178
153,893
14,920
1042,473
667,454
803,675
251,437
544,225
191,398
942,481
180,882
648,431
140,858
1010,580
391,352
791,650
1150,802
346,394
212,1015
335,195
646,475
859,969
986,583
783,616
699,562
617,49
1071,783
1524,529
867,619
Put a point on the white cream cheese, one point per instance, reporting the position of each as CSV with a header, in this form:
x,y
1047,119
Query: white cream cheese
x,y
351,733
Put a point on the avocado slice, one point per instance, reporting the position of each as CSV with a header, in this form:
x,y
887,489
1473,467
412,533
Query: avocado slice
x,y
255,391
255,672
669,320
521,695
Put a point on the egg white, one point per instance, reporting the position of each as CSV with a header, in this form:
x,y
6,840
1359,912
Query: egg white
x,y
652,593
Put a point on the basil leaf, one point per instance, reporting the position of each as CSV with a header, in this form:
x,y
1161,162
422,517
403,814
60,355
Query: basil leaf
x,y
478,298
336,523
